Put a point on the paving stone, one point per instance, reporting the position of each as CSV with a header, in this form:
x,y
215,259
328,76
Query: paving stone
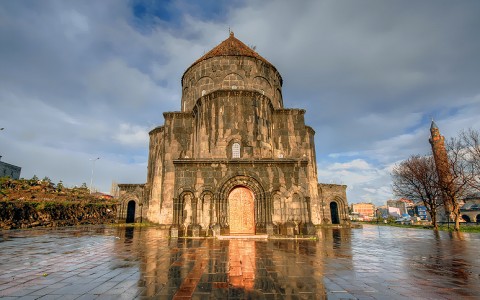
x,y
369,263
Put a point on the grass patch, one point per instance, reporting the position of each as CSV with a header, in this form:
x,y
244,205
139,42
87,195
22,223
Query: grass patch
x,y
471,228
463,228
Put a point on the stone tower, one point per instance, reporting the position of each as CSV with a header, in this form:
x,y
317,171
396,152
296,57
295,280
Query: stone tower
x,y
437,141
233,159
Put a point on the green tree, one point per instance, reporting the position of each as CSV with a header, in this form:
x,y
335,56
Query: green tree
x,y
33,181
60,186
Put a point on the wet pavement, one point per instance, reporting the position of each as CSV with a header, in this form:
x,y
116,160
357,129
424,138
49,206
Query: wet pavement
x,y
127,263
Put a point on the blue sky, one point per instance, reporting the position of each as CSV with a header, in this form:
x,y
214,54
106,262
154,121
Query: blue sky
x,y
86,79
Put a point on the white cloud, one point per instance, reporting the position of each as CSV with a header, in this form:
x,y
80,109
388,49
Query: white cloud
x,y
132,135
88,80
119,84
74,23
365,182
344,154
357,164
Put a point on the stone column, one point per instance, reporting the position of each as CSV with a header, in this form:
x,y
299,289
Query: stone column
x,y
174,227
308,228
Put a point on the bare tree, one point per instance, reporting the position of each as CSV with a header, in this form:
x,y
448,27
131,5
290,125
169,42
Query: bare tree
x,y
458,184
470,141
416,179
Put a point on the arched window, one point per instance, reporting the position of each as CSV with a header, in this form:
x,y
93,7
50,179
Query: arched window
x,y
236,150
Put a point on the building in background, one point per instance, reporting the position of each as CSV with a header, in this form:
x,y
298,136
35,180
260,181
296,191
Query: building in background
x,y
421,212
405,206
9,170
382,211
470,211
365,211
394,212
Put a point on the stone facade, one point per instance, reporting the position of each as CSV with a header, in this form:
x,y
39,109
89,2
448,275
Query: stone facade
x,y
234,141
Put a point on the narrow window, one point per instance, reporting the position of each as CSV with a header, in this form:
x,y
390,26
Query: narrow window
x,y
236,150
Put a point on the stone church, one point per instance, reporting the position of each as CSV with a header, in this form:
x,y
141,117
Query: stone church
x,y
233,160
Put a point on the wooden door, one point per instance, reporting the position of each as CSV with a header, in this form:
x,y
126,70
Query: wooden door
x,y
241,211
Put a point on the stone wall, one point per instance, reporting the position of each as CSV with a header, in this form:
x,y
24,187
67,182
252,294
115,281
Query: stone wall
x,y
22,214
284,179
9,170
224,117
333,196
242,73
132,193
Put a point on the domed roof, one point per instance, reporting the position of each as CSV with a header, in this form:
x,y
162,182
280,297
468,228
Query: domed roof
x,y
230,47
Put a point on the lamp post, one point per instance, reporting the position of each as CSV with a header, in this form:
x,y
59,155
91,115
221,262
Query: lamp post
x,y
93,160
1,130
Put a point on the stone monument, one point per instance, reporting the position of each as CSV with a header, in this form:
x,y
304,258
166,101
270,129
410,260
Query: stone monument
x,y
234,160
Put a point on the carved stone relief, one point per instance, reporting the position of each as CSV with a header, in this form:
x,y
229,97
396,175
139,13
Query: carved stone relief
x,y
241,211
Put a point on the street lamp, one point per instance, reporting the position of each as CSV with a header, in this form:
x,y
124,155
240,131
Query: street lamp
x,y
93,160
0,130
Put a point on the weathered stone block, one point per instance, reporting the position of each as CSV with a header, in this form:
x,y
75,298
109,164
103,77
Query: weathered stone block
x,y
288,229
309,229
194,230
174,231
216,229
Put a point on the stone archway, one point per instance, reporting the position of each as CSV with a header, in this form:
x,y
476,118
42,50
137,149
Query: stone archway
x,y
131,211
241,211
262,209
334,213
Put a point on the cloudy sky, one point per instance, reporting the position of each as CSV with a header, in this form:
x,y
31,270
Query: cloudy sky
x,y
87,79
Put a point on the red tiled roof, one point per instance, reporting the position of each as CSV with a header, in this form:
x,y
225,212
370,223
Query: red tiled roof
x,y
231,47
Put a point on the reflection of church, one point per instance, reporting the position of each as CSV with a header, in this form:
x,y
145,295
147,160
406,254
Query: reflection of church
x,y
233,159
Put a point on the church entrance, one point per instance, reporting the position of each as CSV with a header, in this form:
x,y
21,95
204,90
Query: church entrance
x,y
131,212
241,211
334,212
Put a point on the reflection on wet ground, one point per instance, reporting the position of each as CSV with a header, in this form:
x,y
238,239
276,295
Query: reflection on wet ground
x,y
127,263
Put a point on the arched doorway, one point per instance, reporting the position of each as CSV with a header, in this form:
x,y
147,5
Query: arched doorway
x,y
241,211
131,211
334,212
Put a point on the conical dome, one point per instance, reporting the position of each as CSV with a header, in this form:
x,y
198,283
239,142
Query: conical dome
x,y
231,47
